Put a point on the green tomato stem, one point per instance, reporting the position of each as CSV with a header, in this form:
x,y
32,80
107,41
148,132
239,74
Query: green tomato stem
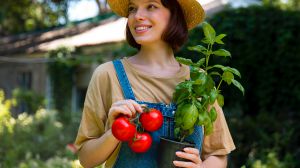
x,y
135,118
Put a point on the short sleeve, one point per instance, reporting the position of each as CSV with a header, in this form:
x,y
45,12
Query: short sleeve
x,y
95,108
220,141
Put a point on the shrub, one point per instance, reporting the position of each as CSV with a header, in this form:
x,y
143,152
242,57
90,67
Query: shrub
x,y
32,100
55,162
39,136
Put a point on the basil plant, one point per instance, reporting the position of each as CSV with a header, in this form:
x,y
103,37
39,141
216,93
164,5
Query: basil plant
x,y
195,97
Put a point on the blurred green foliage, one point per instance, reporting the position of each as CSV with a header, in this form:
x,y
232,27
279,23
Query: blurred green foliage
x,y
32,100
61,72
264,43
55,162
34,139
28,15
283,4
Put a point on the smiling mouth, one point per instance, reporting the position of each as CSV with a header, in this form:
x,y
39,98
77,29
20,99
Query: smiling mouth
x,y
141,29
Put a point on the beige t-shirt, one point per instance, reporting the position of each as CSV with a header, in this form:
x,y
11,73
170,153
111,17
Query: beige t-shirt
x,y
104,89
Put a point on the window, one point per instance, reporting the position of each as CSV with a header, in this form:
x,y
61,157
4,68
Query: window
x,y
25,80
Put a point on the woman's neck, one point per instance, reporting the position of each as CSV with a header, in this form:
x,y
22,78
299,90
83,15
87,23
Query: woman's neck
x,y
160,55
157,60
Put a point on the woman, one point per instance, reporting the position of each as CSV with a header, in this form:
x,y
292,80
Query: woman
x,y
157,28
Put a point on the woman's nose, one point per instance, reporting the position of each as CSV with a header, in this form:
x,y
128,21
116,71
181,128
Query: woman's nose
x,y
140,15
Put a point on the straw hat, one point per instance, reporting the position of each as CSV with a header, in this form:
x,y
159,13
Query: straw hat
x,y
192,10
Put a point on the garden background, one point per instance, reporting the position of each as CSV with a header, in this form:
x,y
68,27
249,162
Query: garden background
x,y
38,130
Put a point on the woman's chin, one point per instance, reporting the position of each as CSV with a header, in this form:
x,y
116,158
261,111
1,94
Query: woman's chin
x,y
145,41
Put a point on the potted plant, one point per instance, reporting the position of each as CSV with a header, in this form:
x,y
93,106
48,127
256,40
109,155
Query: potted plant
x,y
194,98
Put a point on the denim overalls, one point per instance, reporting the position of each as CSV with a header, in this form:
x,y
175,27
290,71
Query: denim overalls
x,y
128,159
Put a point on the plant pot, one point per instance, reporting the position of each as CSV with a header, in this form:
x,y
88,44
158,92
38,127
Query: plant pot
x,y
167,149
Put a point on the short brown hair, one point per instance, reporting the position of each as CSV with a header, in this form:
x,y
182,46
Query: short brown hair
x,y
176,33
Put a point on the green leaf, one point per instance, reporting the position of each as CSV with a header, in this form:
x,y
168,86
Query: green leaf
x,y
198,89
213,96
178,121
198,105
190,116
222,52
194,73
210,83
183,96
199,85
239,86
184,61
214,73
203,118
205,41
200,62
209,32
220,100
201,78
186,85
177,132
227,68
233,70
219,38
179,115
198,48
179,112
205,97
208,129
213,114
182,91
227,77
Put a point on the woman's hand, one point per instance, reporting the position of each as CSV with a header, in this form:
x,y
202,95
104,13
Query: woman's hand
x,y
125,107
191,154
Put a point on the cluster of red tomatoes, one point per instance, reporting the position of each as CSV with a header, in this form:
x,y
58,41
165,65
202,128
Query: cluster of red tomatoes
x,y
139,141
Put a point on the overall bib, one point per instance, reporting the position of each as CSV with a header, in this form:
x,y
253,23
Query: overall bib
x,y
126,157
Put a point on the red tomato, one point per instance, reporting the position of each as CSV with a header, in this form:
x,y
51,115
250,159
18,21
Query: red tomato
x,y
151,119
141,143
122,129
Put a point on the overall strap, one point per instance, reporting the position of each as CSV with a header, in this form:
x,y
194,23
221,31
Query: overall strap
x,y
123,79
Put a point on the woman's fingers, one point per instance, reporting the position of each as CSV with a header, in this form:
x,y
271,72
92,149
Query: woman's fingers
x,y
192,151
126,111
192,155
126,107
117,110
184,164
137,106
134,106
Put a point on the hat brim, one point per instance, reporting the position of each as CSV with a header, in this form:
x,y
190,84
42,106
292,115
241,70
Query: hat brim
x,y
192,10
